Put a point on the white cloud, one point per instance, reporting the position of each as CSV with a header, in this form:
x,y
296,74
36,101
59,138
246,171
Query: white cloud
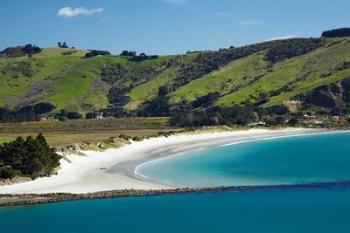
x,y
73,12
282,37
176,2
249,23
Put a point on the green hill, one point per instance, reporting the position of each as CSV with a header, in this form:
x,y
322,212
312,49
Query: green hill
x,y
67,79
264,75
293,77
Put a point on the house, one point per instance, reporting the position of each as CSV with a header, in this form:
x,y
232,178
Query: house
x,y
99,116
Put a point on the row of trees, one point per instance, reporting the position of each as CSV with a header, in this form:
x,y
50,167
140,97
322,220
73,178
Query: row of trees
x,y
184,116
132,55
143,57
127,53
19,51
63,115
286,49
31,157
94,53
203,112
197,113
339,32
27,113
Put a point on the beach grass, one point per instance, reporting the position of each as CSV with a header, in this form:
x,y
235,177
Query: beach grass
x,y
76,131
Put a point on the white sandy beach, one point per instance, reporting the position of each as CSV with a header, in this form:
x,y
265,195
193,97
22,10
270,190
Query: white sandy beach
x,y
114,169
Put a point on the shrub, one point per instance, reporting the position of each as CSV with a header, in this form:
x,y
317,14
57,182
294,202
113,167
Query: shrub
x,y
94,53
127,53
7,172
74,115
69,52
43,107
125,137
137,139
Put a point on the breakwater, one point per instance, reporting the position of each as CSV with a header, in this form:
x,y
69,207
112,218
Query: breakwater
x,y
33,199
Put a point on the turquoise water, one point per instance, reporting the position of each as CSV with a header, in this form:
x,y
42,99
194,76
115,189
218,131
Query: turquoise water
x,y
278,211
294,160
293,209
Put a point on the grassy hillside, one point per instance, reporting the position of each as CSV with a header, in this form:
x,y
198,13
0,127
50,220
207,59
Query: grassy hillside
x,y
225,80
63,77
149,90
298,75
265,74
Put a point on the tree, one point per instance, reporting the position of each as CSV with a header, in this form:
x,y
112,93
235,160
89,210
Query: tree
x,y
7,172
163,91
90,115
160,105
127,53
31,157
74,115
64,45
94,53
116,94
207,100
182,114
43,107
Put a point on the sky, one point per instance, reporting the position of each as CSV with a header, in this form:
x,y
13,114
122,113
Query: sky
x,y
165,26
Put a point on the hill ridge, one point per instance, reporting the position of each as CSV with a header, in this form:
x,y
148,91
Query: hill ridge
x,y
264,75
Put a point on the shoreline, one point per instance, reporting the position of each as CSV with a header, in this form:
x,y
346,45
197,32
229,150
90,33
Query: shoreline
x,y
139,175
114,169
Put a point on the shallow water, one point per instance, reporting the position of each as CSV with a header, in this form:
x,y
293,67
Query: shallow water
x,y
305,159
292,160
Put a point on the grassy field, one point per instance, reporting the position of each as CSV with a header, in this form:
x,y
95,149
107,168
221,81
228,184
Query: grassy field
x,y
68,132
67,138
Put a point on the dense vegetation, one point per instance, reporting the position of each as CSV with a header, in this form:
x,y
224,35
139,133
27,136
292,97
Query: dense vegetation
x,y
340,32
20,51
26,113
31,157
237,115
94,53
286,49
143,57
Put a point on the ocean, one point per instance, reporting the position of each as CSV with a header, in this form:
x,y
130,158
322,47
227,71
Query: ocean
x,y
288,161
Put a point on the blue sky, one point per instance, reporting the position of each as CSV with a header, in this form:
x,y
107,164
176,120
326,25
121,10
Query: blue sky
x,y
164,26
